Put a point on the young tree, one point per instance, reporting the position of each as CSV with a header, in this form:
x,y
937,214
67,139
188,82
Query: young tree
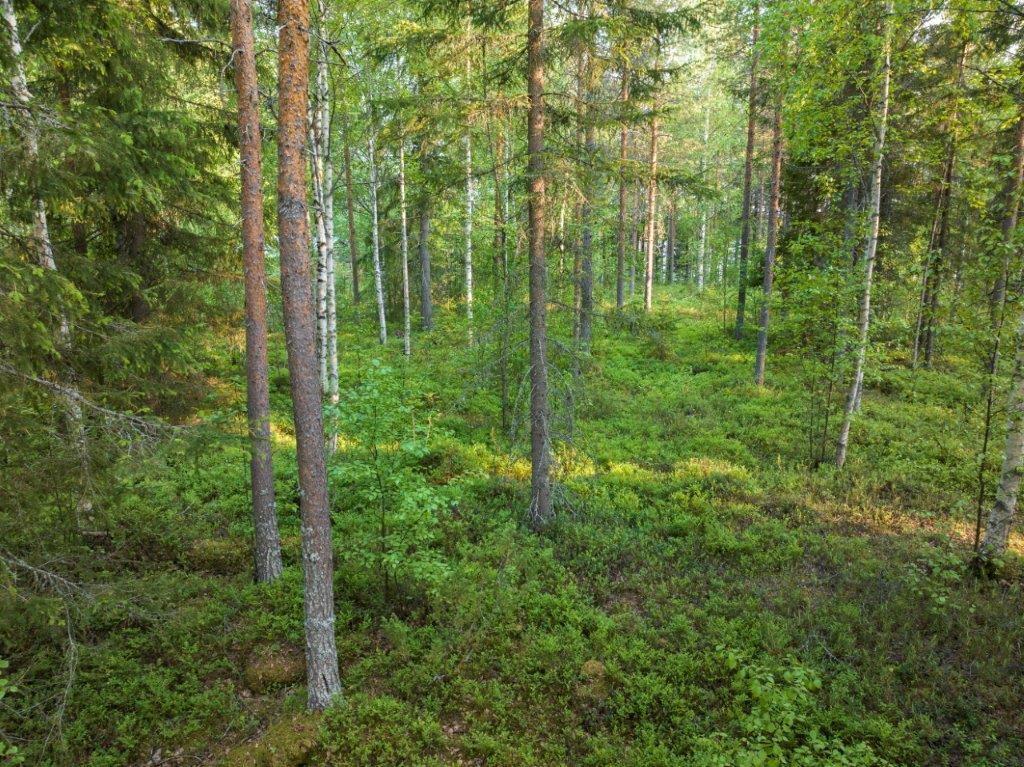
x,y
652,216
748,170
323,680
267,539
620,271
540,447
378,270
769,250
405,248
871,247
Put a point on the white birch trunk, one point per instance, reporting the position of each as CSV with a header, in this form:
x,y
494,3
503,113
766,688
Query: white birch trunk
x,y
378,275
405,249
702,243
469,222
864,322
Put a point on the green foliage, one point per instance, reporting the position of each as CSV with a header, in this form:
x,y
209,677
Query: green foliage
x,y
382,731
388,512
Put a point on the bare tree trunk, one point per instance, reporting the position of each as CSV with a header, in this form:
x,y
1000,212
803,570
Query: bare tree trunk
x,y
770,246
703,241
540,447
350,204
323,681
620,270
1010,199
327,203
587,243
871,247
670,245
426,305
1000,516
652,217
267,543
406,314
41,242
378,272
317,174
468,224
748,170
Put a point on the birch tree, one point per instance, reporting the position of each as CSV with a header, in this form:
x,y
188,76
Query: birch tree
x,y
405,249
871,246
378,272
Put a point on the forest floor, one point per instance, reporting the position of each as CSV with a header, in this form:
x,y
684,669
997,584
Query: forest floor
x,y
703,598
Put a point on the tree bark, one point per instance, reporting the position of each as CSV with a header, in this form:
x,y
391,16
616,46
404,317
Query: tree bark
x,y
748,171
703,241
378,272
540,447
652,217
317,176
870,249
323,680
770,246
350,204
267,543
1000,517
620,268
406,313
426,304
468,223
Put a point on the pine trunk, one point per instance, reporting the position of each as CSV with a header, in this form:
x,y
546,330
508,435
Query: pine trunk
x,y
323,681
267,543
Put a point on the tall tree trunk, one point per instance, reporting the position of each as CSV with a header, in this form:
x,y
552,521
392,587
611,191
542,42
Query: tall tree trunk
x,y
587,243
702,243
540,447
652,217
1010,199
378,272
468,223
1000,516
670,244
353,246
748,170
267,543
41,243
327,203
426,304
500,235
317,175
770,245
323,681
935,262
620,269
864,320
406,313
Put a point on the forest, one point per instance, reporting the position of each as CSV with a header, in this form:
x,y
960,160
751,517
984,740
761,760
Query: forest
x,y
537,383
